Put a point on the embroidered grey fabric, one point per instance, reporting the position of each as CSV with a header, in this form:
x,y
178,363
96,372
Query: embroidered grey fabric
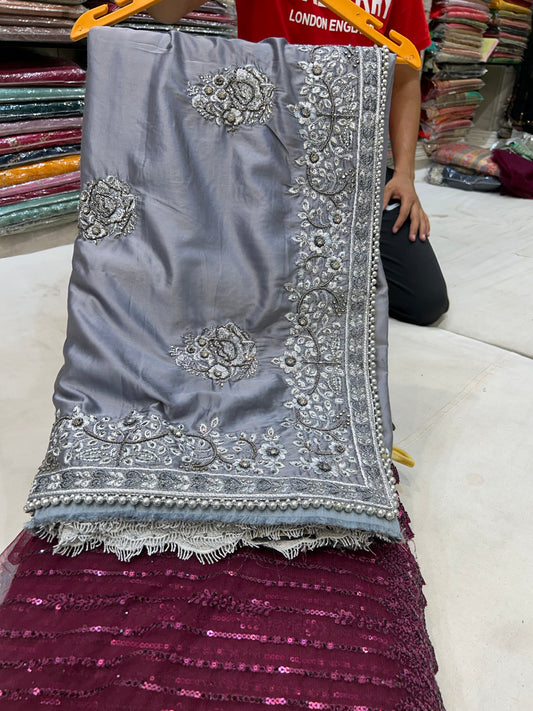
x,y
225,376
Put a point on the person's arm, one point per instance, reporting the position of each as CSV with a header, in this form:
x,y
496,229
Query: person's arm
x,y
403,130
169,11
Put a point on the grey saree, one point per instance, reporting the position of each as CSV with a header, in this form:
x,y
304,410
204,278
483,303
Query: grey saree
x,y
225,376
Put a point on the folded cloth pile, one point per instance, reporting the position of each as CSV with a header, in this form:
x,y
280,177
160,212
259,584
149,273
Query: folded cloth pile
x,y
41,107
212,18
457,29
511,24
453,70
450,97
463,166
38,20
515,165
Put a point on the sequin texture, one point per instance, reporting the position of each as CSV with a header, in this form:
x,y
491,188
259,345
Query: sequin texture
x,y
332,630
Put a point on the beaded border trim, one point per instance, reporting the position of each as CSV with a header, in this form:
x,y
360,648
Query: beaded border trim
x,y
322,210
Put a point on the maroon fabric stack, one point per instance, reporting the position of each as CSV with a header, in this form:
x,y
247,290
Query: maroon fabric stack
x,y
332,630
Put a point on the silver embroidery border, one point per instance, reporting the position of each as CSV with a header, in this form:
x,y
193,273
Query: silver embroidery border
x,y
383,510
312,114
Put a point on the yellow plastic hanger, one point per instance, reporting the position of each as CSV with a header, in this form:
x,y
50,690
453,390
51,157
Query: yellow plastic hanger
x,y
401,456
362,20
368,25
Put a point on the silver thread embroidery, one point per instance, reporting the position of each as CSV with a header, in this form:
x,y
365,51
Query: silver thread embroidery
x,y
142,458
234,97
329,360
107,209
219,354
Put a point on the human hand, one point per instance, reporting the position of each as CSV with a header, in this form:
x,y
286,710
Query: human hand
x,y
401,187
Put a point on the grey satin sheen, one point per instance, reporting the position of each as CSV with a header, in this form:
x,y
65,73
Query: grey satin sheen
x,y
211,242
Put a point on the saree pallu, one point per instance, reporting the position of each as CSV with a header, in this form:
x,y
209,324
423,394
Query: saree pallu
x,y
220,463
225,365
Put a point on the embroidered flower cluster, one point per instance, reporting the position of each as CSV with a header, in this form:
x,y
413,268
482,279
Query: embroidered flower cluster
x,y
107,209
234,97
220,354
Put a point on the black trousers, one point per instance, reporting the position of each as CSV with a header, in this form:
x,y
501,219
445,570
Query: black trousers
x,y
417,290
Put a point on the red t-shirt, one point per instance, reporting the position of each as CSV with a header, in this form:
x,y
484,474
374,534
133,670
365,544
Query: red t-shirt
x,y
310,22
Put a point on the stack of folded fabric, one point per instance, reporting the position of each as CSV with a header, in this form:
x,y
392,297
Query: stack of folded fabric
x,y
511,24
212,18
38,20
463,166
457,29
453,70
41,107
451,95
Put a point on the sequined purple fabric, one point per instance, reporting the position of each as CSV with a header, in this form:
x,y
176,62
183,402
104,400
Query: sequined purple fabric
x,y
332,630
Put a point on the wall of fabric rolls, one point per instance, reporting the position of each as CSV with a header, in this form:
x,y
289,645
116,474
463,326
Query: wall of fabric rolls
x,y
42,91
469,37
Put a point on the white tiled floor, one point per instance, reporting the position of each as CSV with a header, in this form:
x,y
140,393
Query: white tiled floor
x,y
462,404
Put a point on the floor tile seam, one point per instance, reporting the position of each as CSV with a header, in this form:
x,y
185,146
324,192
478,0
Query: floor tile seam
x,y
497,346
472,386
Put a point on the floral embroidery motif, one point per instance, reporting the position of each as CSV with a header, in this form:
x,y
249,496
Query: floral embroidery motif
x,y
220,354
234,97
329,359
145,454
329,452
107,209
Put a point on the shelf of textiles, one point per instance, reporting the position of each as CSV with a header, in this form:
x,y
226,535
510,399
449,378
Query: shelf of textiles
x,y
41,106
453,70
467,37
510,24
46,21
212,18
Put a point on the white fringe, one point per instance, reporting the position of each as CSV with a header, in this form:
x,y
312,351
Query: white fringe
x,y
208,541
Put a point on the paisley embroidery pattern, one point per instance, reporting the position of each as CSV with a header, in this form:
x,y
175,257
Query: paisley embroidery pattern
x,y
107,209
234,97
220,354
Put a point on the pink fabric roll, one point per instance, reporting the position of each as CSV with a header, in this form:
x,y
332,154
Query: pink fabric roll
x,y
53,190
27,141
17,128
40,188
19,191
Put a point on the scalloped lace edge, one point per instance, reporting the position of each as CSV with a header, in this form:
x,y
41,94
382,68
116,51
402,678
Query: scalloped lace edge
x,y
207,541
